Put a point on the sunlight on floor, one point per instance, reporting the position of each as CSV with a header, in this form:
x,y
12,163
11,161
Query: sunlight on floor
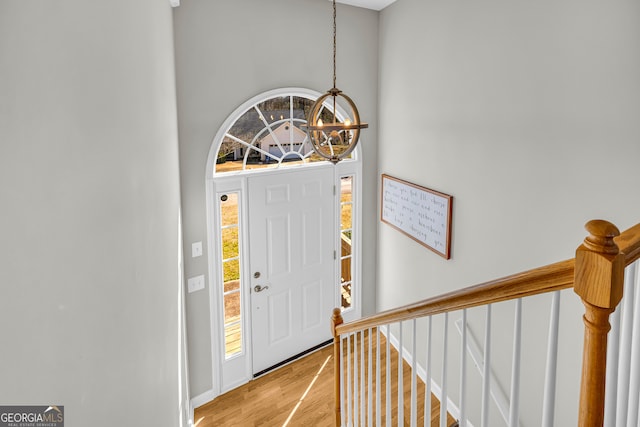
x,y
306,392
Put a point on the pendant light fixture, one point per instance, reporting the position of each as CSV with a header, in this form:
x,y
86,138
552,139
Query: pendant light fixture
x,y
332,139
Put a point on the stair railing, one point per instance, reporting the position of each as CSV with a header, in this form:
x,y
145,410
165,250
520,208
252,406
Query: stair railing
x,y
596,275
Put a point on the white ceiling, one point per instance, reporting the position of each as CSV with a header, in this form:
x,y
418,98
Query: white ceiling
x,y
369,4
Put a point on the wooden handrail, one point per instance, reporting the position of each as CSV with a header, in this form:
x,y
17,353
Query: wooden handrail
x,y
549,278
552,277
629,244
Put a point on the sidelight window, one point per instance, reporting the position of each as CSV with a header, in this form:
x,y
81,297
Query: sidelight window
x,y
232,291
346,237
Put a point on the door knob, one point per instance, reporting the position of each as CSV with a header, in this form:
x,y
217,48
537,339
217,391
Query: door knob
x,y
258,288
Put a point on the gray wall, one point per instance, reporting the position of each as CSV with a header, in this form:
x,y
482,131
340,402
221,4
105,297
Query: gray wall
x,y
89,216
527,113
230,51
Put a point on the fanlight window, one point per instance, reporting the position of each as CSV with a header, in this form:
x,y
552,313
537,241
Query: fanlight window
x,y
269,135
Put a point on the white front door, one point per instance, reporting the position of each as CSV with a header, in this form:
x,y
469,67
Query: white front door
x,y
291,249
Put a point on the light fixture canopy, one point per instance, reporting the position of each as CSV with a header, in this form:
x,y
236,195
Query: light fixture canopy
x,y
331,138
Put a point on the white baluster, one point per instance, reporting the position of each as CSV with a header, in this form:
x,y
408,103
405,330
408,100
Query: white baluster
x,y
486,370
400,380
463,371
427,391
341,367
634,385
549,398
624,364
388,372
370,380
445,356
362,374
378,379
349,383
356,371
514,407
414,380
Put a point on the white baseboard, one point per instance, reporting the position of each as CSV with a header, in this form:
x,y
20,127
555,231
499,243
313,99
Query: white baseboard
x,y
201,399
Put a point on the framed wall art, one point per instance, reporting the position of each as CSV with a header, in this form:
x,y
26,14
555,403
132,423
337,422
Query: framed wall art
x,y
419,212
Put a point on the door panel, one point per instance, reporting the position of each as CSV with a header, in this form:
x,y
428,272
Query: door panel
x,y
311,251
279,317
291,239
278,245
311,314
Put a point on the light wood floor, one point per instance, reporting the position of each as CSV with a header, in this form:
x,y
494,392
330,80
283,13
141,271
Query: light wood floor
x,y
300,394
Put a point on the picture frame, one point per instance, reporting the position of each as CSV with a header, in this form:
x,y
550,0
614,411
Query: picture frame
x,y
419,212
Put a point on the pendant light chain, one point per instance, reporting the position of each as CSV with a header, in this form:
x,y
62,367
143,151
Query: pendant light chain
x,y
334,43
336,140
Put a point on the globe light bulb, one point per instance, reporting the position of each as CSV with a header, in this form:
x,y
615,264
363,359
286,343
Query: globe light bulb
x,y
347,122
320,123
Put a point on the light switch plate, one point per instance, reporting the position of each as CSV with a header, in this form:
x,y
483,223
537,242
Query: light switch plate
x,y
195,283
196,249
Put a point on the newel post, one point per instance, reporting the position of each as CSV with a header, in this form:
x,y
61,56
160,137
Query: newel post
x,y
336,320
599,279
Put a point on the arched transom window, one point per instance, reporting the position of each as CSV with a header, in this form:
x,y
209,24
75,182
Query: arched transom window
x,y
269,134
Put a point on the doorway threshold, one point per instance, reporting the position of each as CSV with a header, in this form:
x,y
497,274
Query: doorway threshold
x,y
293,358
